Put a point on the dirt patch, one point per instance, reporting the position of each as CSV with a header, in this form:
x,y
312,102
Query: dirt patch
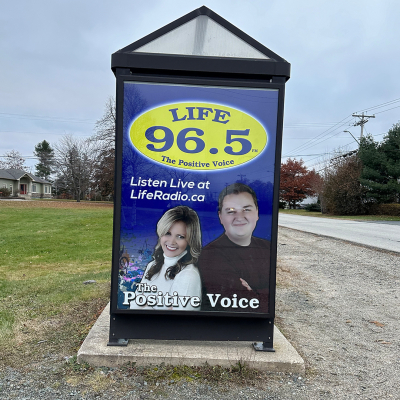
x,y
58,336
285,275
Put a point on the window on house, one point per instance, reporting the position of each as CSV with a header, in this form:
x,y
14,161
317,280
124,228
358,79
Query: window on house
x,y
46,189
34,187
11,189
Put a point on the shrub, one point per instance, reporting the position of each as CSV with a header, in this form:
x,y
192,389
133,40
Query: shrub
x,y
4,192
342,192
282,204
313,207
392,209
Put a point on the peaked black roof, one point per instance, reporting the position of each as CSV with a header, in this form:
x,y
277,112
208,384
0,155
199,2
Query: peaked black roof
x,y
139,61
15,174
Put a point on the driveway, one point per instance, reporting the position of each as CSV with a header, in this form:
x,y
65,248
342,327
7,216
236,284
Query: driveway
x,y
380,234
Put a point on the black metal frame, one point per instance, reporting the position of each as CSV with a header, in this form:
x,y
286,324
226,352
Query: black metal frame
x,y
203,71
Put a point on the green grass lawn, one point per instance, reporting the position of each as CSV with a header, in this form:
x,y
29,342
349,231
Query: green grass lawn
x,y
47,251
353,217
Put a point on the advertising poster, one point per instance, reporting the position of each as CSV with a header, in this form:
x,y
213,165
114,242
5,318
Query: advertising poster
x,y
196,198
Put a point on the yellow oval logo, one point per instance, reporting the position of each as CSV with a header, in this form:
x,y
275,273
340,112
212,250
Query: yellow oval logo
x,y
199,136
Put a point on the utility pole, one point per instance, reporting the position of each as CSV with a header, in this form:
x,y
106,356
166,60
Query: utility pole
x,y
363,120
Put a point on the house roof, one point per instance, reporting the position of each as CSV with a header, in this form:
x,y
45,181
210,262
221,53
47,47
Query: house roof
x,y
15,174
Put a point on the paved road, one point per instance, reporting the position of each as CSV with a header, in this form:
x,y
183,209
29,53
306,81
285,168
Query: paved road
x,y
380,234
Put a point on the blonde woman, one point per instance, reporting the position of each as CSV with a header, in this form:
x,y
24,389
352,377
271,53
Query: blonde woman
x,y
173,270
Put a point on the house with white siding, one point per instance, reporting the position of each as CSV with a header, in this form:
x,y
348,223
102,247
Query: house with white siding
x,y
24,184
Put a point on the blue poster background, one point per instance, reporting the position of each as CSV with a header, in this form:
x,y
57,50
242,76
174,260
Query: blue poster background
x,y
139,217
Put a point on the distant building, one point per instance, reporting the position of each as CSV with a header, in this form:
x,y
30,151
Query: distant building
x,y
309,200
24,184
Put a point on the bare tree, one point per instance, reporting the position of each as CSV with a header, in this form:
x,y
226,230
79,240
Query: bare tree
x,y
103,141
105,126
75,165
12,159
342,193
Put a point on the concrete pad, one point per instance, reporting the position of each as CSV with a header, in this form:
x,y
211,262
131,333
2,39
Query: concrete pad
x,y
144,352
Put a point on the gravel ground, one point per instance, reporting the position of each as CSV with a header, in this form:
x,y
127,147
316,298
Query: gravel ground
x,y
337,303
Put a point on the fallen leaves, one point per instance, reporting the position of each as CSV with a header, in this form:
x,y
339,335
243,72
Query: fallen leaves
x,y
377,323
381,341
54,204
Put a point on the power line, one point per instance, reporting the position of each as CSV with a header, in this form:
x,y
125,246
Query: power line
x,y
380,105
303,138
308,125
323,134
345,145
58,119
380,112
317,143
42,133
326,154
304,155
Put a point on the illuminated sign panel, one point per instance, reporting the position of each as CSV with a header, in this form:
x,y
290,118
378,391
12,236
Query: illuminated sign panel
x,y
196,198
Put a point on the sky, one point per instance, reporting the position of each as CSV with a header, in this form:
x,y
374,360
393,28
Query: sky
x,y
55,65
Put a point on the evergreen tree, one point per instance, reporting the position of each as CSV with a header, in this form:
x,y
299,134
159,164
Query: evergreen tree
x,y
46,159
381,166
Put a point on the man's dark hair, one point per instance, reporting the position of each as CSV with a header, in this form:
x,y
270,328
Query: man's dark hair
x,y
236,188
